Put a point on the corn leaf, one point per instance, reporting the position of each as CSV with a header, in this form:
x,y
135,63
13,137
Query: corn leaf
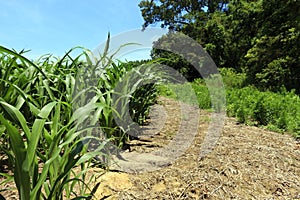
x,y
22,178
17,115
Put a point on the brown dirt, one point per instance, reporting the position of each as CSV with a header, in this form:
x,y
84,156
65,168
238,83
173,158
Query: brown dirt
x,y
247,163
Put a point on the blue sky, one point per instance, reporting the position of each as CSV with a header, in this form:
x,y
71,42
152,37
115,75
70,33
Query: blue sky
x,y
55,26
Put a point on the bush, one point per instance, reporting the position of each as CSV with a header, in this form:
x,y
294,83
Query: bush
x,y
231,78
277,111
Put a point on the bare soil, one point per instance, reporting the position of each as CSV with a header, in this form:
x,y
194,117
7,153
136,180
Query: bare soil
x,y
247,163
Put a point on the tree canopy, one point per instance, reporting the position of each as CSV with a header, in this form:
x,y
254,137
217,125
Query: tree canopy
x,y
259,37
178,14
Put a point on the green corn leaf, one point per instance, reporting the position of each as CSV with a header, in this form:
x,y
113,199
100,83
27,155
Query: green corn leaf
x,y
34,109
3,49
73,157
70,137
8,93
87,156
70,85
106,46
46,110
17,115
2,129
35,172
44,174
22,178
97,114
8,178
9,69
20,102
83,112
55,120
37,129
49,90
48,137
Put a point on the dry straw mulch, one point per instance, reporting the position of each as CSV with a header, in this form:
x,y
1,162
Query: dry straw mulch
x,y
247,163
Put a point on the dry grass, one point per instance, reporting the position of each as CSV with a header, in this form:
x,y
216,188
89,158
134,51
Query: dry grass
x,y
247,163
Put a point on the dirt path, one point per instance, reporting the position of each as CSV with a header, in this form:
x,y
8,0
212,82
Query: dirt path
x,y
247,163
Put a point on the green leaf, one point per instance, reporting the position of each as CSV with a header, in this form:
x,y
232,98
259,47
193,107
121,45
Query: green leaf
x,y
55,119
3,49
17,115
22,178
46,110
37,129
44,175
33,109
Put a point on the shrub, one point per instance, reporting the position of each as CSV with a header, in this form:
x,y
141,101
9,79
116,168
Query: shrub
x,y
277,111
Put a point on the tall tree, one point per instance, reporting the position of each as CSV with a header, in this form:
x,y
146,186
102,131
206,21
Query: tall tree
x,y
273,61
261,37
175,14
190,17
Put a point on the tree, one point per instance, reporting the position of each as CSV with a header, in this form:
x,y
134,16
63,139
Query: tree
x,y
187,16
273,61
176,14
240,29
259,37
213,24
172,59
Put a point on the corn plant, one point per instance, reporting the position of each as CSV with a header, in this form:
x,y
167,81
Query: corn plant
x,y
101,76
53,110
46,173
32,130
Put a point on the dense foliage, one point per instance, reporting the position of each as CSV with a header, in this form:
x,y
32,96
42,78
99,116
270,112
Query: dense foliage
x,y
275,111
58,115
259,37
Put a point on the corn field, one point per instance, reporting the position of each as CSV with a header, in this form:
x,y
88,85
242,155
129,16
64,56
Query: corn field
x,y
53,109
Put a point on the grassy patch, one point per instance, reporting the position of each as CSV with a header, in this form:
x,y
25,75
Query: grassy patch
x,y
190,93
275,111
